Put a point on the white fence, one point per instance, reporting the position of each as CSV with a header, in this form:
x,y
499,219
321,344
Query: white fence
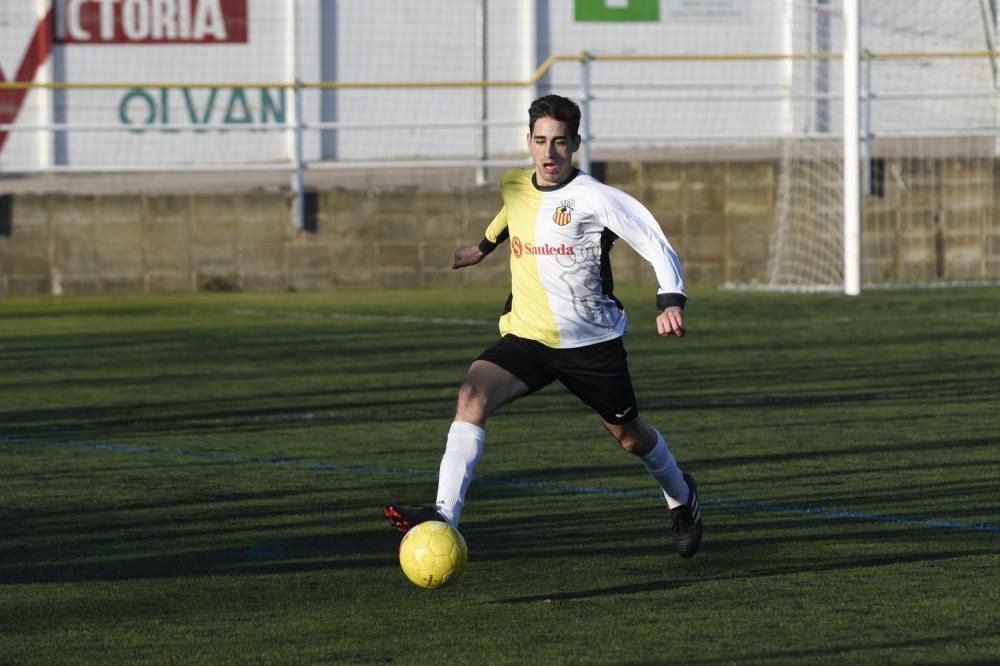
x,y
243,84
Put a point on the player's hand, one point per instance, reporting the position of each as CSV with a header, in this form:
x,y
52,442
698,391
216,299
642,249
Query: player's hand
x,y
469,255
671,322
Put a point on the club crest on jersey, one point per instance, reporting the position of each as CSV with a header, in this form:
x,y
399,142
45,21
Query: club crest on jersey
x,y
564,213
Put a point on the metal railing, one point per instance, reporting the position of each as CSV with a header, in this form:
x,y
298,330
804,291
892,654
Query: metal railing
x,y
587,93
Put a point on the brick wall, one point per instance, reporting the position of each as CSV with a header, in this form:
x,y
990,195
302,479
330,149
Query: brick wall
x,y
718,215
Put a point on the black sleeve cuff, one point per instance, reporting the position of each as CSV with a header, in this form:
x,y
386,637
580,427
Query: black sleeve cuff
x,y
486,246
664,301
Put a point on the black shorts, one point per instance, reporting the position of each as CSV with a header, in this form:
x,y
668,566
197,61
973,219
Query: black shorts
x,y
596,374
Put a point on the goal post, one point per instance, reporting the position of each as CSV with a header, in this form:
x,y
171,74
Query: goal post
x,y
852,145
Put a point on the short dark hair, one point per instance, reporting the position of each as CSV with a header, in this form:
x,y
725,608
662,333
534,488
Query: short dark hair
x,y
558,108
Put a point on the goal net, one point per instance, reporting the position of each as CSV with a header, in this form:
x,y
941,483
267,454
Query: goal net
x,y
928,125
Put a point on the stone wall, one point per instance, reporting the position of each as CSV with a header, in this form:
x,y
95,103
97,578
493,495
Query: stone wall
x,y
718,215
934,220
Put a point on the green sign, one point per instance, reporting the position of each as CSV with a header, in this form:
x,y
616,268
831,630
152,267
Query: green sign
x,y
618,10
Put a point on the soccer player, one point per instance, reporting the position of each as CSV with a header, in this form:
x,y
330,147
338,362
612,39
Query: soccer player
x,y
562,321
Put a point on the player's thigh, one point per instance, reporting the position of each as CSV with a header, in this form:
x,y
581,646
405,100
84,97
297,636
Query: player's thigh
x,y
493,384
487,387
515,366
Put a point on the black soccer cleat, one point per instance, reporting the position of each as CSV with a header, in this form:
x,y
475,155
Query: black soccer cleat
x,y
403,518
687,525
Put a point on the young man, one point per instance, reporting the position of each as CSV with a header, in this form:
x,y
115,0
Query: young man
x,y
562,321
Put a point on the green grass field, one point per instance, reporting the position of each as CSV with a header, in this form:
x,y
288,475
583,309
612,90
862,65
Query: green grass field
x,y
198,479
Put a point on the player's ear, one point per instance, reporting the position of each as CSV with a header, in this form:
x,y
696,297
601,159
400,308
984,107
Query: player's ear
x,y
575,144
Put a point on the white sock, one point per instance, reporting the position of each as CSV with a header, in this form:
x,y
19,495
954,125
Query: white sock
x,y
662,466
465,445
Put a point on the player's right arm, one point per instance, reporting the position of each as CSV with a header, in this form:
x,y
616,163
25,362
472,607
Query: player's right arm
x,y
496,233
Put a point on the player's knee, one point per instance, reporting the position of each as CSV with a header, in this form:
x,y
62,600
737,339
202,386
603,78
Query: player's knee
x,y
631,443
471,402
633,438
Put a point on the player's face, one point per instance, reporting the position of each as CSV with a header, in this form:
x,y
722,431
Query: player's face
x,y
552,151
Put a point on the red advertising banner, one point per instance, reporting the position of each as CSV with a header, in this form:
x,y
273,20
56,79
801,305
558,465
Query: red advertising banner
x,y
150,21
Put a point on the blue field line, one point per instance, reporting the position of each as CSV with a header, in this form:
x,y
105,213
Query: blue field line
x,y
519,483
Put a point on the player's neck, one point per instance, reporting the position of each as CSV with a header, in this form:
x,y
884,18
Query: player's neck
x,y
549,188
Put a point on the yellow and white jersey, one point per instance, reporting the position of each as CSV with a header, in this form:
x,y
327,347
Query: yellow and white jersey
x,y
560,239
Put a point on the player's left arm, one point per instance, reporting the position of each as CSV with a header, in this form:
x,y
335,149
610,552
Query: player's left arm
x,y
496,233
634,224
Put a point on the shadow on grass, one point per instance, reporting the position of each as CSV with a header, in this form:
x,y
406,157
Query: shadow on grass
x,y
256,556
677,583
294,531
853,650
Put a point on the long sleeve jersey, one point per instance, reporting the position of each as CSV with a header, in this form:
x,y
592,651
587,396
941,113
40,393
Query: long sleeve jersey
x,y
560,240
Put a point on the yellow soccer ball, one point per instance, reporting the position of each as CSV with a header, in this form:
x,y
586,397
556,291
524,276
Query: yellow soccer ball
x,y
433,554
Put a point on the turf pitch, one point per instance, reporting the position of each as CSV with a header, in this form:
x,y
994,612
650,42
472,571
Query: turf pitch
x,y
198,479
